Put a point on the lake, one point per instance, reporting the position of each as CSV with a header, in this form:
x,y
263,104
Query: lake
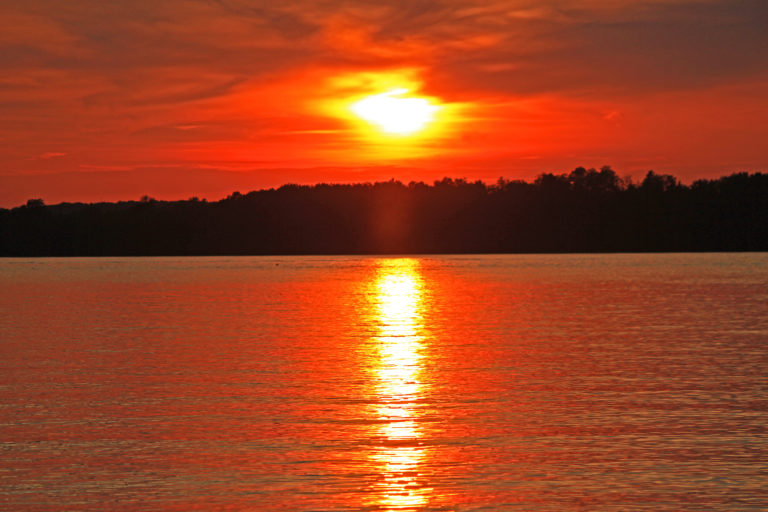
x,y
435,383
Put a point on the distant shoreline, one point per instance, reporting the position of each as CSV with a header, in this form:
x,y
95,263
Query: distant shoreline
x,y
587,211
378,255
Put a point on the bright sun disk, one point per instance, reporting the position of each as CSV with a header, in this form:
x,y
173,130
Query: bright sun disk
x,y
395,114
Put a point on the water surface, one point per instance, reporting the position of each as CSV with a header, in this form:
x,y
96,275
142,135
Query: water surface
x,y
561,382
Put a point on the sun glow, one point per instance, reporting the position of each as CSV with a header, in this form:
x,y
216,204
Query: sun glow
x,y
395,113
388,116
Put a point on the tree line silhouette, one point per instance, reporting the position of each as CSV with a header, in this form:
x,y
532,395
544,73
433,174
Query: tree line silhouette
x,y
586,210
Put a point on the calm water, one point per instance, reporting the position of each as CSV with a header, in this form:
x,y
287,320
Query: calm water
x,y
577,382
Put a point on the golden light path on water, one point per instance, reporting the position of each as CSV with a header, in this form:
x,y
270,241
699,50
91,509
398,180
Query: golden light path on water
x,y
399,306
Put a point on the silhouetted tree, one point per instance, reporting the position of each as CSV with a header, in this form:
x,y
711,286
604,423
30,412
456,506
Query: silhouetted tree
x,y
584,210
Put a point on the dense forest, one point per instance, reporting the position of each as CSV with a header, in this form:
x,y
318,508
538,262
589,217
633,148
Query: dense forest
x,y
586,210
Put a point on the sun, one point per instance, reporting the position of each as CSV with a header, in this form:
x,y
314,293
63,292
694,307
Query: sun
x,y
395,113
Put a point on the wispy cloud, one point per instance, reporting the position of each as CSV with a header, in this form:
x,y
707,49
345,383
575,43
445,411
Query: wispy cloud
x,y
52,154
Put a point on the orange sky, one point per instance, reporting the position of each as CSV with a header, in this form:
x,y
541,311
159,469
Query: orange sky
x,y
114,100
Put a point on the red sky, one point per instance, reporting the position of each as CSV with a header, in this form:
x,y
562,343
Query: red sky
x,y
113,100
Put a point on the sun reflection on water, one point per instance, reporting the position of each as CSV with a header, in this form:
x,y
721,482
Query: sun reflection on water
x,y
399,306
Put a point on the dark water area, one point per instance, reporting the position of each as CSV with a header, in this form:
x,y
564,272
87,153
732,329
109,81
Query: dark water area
x,y
450,383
